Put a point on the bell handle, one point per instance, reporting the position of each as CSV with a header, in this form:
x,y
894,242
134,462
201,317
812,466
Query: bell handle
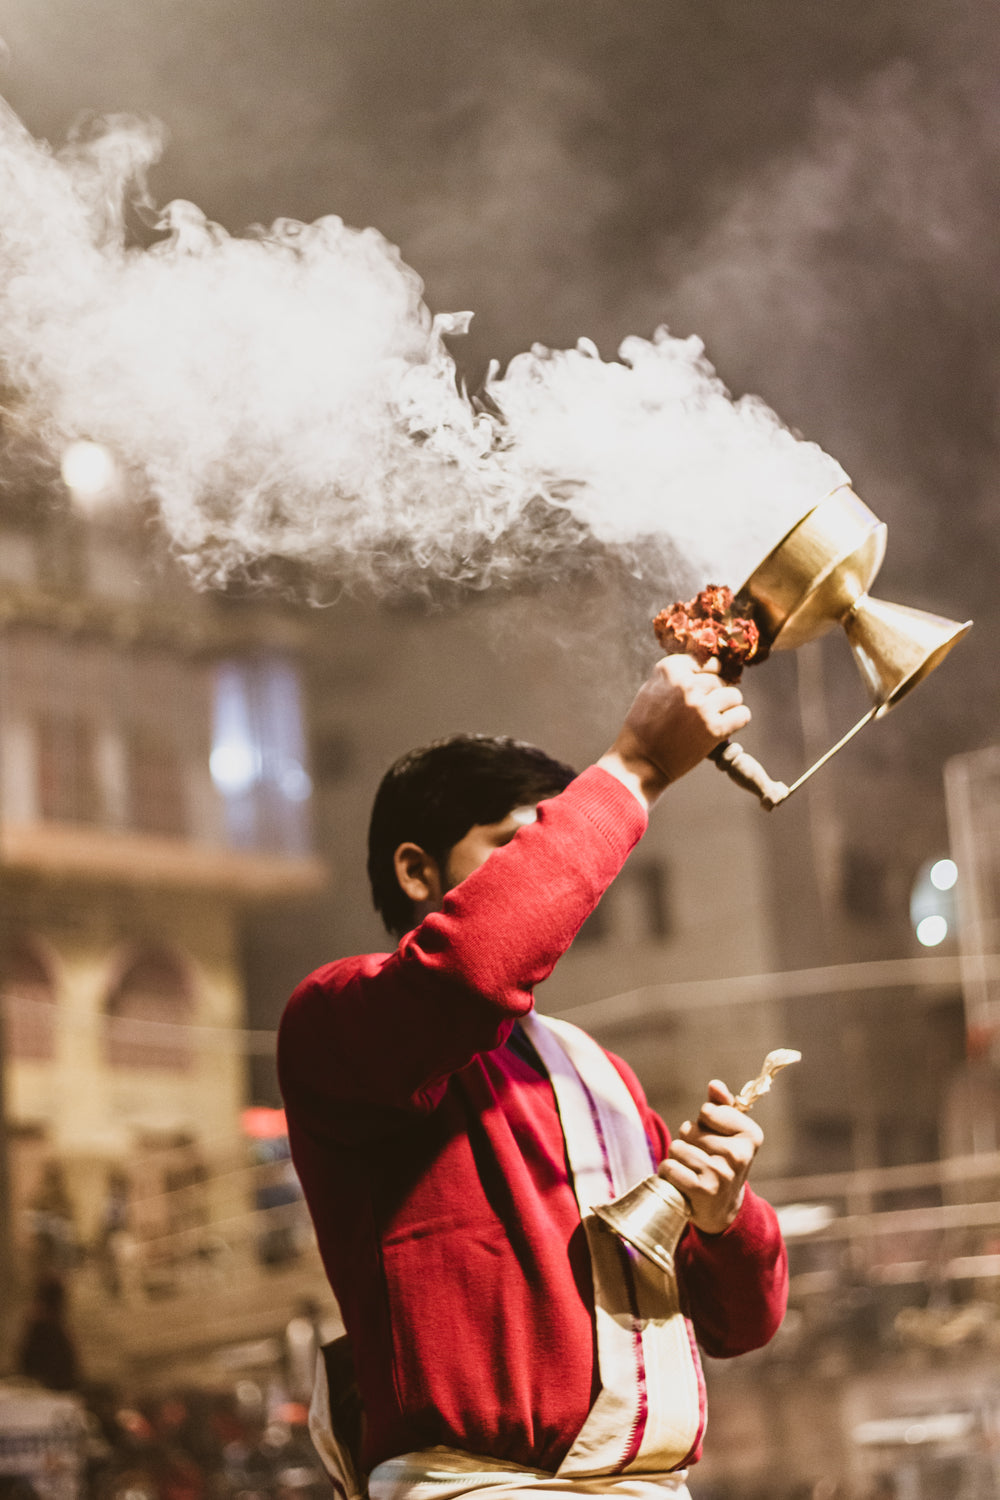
x,y
748,773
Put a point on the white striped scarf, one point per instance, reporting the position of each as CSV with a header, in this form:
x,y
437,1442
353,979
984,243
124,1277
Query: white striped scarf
x,y
648,1413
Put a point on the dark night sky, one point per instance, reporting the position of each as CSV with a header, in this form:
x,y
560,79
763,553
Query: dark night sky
x,y
811,187
554,166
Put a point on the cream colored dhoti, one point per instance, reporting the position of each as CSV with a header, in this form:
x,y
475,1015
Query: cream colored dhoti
x,y
445,1474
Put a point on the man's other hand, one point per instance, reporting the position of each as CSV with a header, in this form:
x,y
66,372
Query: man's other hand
x,y
709,1159
681,712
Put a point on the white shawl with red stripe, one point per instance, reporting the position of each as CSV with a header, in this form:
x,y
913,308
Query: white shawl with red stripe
x,y
648,1415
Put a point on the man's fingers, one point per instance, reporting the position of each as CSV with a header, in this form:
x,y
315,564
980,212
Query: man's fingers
x,y
720,704
699,1161
707,688
688,1184
724,1120
682,667
698,1184
710,1157
736,719
711,1166
718,1093
738,1150
723,695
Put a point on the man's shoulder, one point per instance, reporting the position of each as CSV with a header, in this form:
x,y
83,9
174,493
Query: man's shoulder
x,y
317,995
318,1009
333,977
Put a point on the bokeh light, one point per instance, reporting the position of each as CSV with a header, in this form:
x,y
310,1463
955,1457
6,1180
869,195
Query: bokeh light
x,y
89,472
931,931
943,874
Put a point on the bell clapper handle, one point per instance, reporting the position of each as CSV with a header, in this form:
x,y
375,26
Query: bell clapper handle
x,y
780,1058
748,773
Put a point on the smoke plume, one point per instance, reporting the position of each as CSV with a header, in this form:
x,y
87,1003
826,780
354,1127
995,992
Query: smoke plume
x,y
286,396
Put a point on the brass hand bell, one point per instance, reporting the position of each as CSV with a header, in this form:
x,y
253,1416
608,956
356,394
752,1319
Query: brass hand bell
x,y
652,1215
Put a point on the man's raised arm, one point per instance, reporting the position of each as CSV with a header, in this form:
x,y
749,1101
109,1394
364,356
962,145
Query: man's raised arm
x,y
389,1030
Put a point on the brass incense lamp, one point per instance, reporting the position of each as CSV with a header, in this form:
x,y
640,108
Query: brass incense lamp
x,y
818,576
652,1215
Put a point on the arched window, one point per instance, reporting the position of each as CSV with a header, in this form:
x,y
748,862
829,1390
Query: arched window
x,y
29,1009
149,1013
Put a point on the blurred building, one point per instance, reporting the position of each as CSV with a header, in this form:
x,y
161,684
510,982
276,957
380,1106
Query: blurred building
x,y
973,793
154,787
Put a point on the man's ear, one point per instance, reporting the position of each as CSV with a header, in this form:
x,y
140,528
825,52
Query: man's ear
x,y
418,875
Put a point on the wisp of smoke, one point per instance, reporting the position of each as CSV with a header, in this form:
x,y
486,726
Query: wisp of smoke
x,y
286,396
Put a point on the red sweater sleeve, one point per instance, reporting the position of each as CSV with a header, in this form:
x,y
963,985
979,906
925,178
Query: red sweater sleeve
x,y
736,1283
367,1038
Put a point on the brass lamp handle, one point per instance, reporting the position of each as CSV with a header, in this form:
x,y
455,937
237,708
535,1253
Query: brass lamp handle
x,y
748,773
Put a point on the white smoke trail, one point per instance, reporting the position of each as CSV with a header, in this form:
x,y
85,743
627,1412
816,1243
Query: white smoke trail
x,y
287,396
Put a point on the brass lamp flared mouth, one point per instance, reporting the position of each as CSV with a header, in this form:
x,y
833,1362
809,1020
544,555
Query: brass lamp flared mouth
x,y
895,647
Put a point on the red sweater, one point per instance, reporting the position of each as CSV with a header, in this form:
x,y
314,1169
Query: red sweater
x,y
432,1159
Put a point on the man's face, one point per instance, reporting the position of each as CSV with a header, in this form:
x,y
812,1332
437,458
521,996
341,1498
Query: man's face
x,y
479,843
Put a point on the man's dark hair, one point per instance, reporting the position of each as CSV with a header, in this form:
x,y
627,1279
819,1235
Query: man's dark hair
x,y
433,796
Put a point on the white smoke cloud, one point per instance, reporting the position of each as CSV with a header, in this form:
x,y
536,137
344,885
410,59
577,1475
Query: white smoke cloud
x,y
287,396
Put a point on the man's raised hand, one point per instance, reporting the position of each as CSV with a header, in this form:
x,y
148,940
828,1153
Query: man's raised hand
x,y
681,712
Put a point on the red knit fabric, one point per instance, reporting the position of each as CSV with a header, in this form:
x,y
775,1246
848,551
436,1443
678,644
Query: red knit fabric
x,y
433,1163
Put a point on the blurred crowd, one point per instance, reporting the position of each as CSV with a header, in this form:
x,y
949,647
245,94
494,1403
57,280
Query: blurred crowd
x,y
248,1438
187,1445
201,1446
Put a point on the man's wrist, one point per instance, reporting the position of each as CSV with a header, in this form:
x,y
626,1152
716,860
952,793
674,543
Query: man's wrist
x,y
643,779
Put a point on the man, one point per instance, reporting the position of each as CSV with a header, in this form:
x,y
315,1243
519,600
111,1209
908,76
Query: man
x,y
451,1142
